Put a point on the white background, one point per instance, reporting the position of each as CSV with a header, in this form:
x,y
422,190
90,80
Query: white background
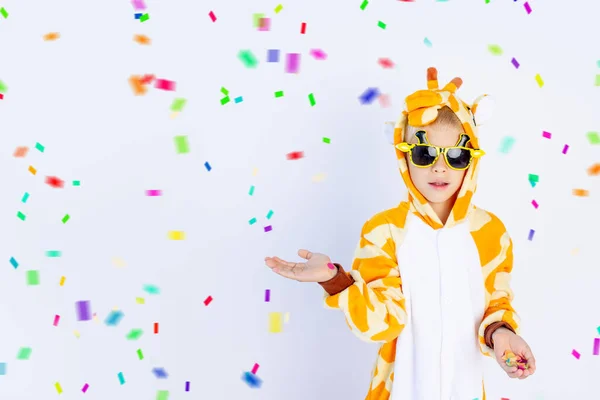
x,y
73,96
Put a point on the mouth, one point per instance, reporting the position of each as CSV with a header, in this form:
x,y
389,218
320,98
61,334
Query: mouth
x,y
439,185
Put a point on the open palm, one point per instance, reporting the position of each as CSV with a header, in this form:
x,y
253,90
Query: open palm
x,y
316,268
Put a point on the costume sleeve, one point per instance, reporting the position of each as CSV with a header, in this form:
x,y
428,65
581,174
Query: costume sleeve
x,y
497,252
372,300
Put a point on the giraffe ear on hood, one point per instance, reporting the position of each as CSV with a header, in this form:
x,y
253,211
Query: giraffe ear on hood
x,y
483,109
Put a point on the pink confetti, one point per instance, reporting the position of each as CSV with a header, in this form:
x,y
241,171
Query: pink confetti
x,y
85,388
292,63
527,7
138,4
56,319
386,63
318,54
212,16
596,346
264,24
576,354
154,192
384,100
547,135
255,369
534,203
164,84
208,300
565,149
331,266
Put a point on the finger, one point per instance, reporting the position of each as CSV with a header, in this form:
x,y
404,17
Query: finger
x,y
273,262
294,272
305,254
516,374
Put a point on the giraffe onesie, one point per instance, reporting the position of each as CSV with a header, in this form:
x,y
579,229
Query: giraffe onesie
x,y
432,294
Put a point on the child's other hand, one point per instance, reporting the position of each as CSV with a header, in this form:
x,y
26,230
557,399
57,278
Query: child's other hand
x,y
505,340
315,269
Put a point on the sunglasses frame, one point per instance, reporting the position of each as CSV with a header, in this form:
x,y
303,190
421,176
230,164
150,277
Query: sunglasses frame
x,y
407,147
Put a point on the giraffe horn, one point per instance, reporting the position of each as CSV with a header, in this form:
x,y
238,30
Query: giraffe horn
x,y
453,85
432,79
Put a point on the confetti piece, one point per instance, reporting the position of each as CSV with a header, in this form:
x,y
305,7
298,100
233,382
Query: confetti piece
x,y
208,300
4,12
533,179
531,233
58,388
114,318
140,354
295,155
121,378
267,296
596,346
278,9
177,235
144,17
369,95
381,24
140,300
20,152
255,369
279,94
330,266
534,204
24,353
56,319
76,183
82,308
326,140
576,354
385,63
207,166
62,281
594,170
142,39
225,100
33,277
14,262
597,83
506,144
2,368
212,16
32,170
539,80
85,388
527,7
21,216
512,360
137,85
151,289
162,395
51,36
303,28
495,49
580,192
364,4
154,192
292,64
275,322
156,328
515,63
252,380
311,99
55,182
138,4
264,24
248,59
256,19
252,221
178,105
134,334
272,55
565,149
187,386
269,214
39,147
137,15
318,54
160,373
181,144
268,228
66,218
427,42
251,191
593,137
53,253
547,135
25,197
164,84
238,99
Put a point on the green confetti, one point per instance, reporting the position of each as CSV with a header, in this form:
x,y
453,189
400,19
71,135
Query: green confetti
x,y
162,395
66,218
427,42
21,216
278,9
487,1
224,100
269,214
247,58
140,354
3,87
381,24
181,144
25,197
533,179
593,137
326,140
495,49
39,147
134,334
121,378
252,221
224,91
279,94
4,12
33,277
256,19
597,81
24,353
76,183
178,105
251,191
53,253
507,144
58,387
598,63
364,5
144,17
311,98
151,289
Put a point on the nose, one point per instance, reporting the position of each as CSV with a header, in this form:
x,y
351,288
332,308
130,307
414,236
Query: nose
x,y
440,165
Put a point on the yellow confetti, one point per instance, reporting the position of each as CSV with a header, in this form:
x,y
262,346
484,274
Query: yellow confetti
x,y
539,80
255,172
275,322
76,332
58,387
62,281
319,177
174,115
32,170
176,235
51,36
118,262
278,9
140,300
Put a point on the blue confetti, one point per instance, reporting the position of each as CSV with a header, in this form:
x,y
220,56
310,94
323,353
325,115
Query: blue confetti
x,y
369,96
2,368
207,165
114,318
14,262
160,373
138,15
238,99
151,289
252,380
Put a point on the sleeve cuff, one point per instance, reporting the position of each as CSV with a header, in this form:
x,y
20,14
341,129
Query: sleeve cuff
x,y
340,282
489,331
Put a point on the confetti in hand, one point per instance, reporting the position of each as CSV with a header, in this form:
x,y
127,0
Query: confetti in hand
x,y
513,360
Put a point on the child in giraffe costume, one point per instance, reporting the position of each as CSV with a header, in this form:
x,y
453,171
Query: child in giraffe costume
x,y
430,277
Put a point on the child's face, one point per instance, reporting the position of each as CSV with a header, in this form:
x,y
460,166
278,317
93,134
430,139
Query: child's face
x,y
437,183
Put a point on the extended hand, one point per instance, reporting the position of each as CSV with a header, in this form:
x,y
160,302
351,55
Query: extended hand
x,y
505,340
317,268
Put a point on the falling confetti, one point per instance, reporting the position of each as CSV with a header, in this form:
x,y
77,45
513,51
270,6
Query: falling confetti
x,y
212,16
364,5
381,24
495,49
539,80
51,36
248,59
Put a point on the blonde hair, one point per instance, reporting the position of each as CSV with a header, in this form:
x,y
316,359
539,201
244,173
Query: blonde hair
x,y
445,117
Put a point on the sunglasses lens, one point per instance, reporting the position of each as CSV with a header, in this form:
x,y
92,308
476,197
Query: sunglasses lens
x,y
423,156
458,158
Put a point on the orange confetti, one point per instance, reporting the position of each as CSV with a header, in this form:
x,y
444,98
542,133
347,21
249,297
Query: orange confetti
x,y
580,192
142,39
594,169
32,170
21,151
51,36
136,84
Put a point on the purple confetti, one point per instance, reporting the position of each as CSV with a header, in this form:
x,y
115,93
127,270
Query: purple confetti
x,y
267,295
83,310
85,388
292,64
273,55
187,386
160,373
527,7
268,228
565,149
369,96
547,135
576,354
531,233
515,63
596,346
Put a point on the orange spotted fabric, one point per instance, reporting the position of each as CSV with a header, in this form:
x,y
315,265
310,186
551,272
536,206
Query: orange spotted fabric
x,y
374,304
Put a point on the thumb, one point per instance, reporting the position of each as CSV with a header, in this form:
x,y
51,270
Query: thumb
x,y
305,254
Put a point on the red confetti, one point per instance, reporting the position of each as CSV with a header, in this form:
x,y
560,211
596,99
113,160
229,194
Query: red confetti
x,y
386,63
212,16
164,84
303,28
255,368
155,328
207,301
295,155
55,182
146,79
1,96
